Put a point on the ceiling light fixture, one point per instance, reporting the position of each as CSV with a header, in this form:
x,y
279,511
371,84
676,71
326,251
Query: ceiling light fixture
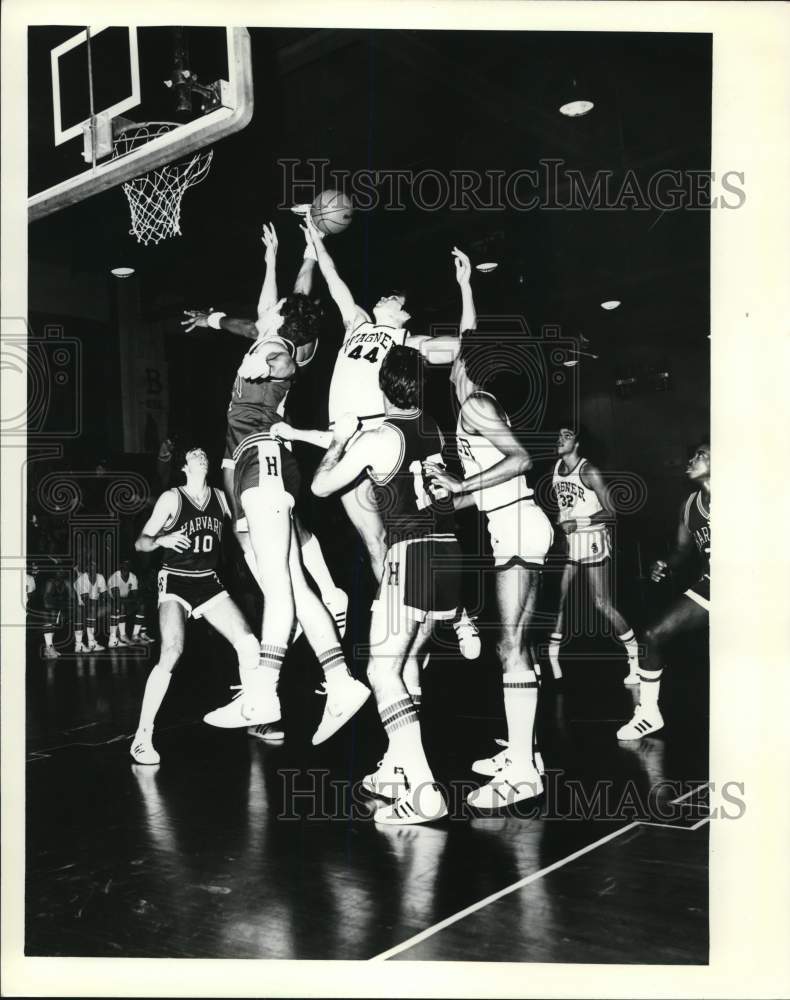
x,y
122,272
486,267
611,304
575,109
573,359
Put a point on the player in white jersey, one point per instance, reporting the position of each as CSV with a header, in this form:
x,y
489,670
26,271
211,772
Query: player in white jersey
x,y
495,464
355,386
90,588
122,586
585,516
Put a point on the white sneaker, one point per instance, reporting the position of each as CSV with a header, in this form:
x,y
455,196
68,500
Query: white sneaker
x,y
337,605
514,783
421,804
114,643
344,698
145,638
254,704
142,750
468,636
50,653
80,647
642,724
269,732
125,640
489,766
94,647
388,781
300,209
633,674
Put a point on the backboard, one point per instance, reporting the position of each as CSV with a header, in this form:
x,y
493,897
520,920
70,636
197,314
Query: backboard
x,y
88,83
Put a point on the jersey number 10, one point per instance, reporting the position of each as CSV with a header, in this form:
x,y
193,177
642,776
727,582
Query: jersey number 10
x,y
207,546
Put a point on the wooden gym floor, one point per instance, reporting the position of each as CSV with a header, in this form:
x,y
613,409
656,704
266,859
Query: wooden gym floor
x,y
215,853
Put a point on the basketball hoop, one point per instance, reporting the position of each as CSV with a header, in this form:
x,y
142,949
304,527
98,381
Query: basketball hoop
x,y
155,198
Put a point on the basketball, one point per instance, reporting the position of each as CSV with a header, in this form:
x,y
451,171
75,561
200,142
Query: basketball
x,y
332,212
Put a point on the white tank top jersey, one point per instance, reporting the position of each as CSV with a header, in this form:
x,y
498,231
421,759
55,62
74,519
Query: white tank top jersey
x,y
574,499
124,586
91,589
477,454
355,380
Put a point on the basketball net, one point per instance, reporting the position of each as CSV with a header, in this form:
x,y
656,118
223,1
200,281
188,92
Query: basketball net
x,y
155,197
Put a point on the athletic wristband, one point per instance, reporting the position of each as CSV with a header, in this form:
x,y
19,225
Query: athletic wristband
x,y
309,253
214,318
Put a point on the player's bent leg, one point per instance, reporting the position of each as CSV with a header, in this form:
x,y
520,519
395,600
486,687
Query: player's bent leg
x,y
517,778
404,774
360,507
344,694
599,586
333,597
684,615
415,662
172,620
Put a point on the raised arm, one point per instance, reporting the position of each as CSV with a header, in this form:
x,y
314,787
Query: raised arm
x,y
273,362
268,295
197,319
151,536
350,312
443,350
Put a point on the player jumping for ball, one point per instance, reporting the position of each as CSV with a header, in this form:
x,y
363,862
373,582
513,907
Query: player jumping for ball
x,y
690,612
187,523
355,388
495,464
586,515
421,578
312,556
265,486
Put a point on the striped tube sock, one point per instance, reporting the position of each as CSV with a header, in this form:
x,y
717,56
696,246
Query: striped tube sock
x,y
649,686
331,661
554,653
271,657
415,693
402,725
628,639
521,702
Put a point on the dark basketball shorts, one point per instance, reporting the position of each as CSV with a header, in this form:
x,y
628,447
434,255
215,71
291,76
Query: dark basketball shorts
x,y
422,578
269,466
195,592
699,592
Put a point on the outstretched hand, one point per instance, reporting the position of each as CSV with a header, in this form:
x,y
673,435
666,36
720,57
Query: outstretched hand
x,y
196,318
463,267
269,240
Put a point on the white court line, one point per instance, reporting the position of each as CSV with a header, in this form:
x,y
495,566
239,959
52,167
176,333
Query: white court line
x,y
687,795
430,931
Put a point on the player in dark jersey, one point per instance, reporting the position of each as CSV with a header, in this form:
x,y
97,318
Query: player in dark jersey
x,y
335,599
690,611
187,522
265,486
421,579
